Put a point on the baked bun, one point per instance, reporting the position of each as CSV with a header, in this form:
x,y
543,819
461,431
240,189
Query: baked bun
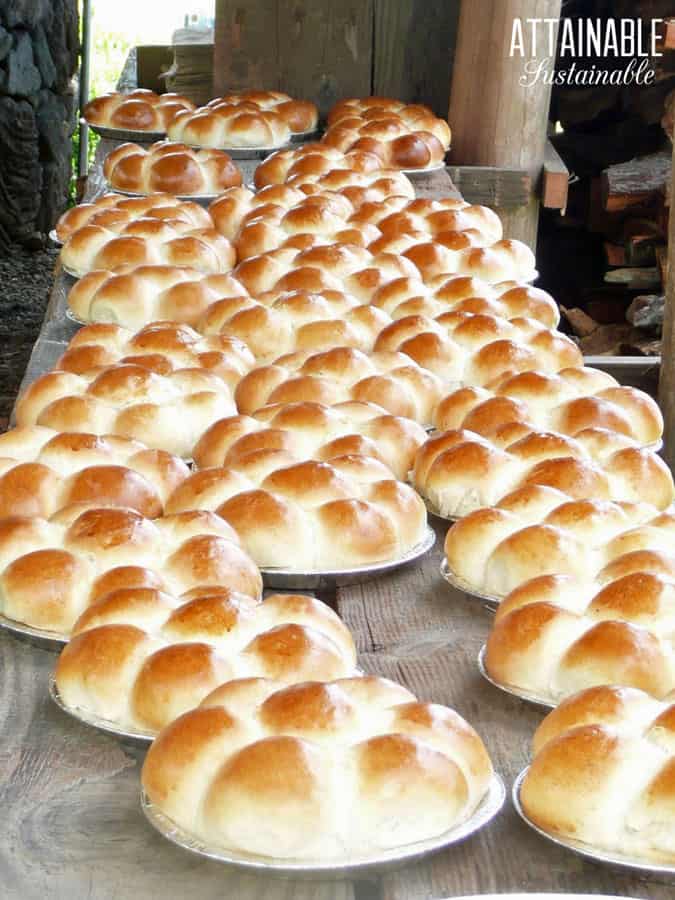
x,y
114,211
460,471
538,530
302,513
168,167
139,657
162,347
139,110
301,115
52,570
602,774
583,403
42,472
167,412
266,769
390,380
133,297
147,242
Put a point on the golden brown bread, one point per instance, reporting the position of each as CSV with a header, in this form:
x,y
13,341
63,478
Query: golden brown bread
x,y
138,110
140,657
52,570
259,768
603,774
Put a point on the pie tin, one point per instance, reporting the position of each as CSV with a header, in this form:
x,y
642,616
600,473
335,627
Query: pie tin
x,y
195,198
54,238
244,152
437,167
508,689
448,575
106,725
352,867
642,868
38,637
125,134
294,579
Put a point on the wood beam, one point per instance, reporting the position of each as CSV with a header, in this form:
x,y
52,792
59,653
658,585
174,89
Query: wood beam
x,y
667,377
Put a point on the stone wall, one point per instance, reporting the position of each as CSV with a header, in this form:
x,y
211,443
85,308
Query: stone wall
x,y
38,57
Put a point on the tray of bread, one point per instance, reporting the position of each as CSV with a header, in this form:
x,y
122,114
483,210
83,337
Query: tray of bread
x,y
140,115
334,827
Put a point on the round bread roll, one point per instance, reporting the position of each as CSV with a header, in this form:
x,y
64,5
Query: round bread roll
x,y
43,471
602,774
417,769
51,571
134,297
129,400
168,167
301,115
139,657
138,110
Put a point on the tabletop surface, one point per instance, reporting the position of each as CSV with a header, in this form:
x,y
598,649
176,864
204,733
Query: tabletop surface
x,y
73,827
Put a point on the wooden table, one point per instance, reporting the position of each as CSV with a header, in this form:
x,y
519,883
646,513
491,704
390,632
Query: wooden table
x,y
72,827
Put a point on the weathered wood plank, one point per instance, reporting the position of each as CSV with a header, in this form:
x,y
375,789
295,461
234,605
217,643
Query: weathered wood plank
x,y
414,46
433,185
246,46
667,379
554,179
492,186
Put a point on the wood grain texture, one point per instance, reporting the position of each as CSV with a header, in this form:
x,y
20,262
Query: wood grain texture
x,y
667,379
245,47
433,185
414,45
555,179
492,186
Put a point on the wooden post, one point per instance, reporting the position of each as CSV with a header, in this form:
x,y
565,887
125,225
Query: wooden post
x,y
495,120
667,378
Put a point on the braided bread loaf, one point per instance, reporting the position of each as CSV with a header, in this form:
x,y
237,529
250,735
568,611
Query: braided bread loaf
x,y
265,772
307,515
134,297
171,168
397,143
52,570
139,658
369,108
42,472
162,347
145,242
230,125
114,211
459,471
139,110
389,380
538,530
569,401
301,115
167,412
602,774
548,650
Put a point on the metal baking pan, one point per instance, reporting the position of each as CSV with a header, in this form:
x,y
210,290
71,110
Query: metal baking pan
x,y
54,238
448,575
196,198
292,579
38,637
438,167
297,137
244,152
331,869
125,134
642,868
509,689
142,738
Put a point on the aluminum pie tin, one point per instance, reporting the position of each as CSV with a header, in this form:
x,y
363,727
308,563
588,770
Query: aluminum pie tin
x,y
244,152
509,689
38,637
294,579
428,170
448,575
54,238
488,808
196,198
298,137
125,134
643,868
94,721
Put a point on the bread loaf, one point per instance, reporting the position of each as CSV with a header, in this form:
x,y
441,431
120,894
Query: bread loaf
x,y
169,167
460,471
337,771
572,401
140,657
539,530
162,347
167,412
114,211
133,297
139,110
52,570
301,115
602,774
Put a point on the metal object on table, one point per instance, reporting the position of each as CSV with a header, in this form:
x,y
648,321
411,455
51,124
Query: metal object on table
x,y
541,895
426,171
509,689
54,238
125,134
651,870
142,738
38,637
300,137
293,579
488,808
195,198
244,152
447,574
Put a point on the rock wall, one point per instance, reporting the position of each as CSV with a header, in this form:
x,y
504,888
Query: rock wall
x,y
38,57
